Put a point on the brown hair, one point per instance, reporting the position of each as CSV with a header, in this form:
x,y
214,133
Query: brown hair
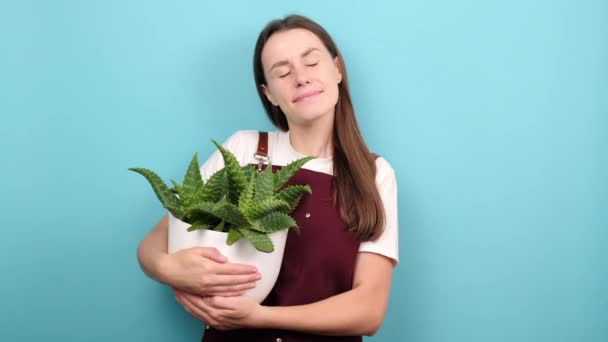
x,y
355,192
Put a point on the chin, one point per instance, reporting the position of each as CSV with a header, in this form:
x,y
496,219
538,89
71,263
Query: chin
x,y
311,115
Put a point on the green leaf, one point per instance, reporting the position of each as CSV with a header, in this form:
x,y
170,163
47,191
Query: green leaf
x,y
207,208
178,212
248,171
177,189
176,185
264,184
259,209
231,214
198,226
164,195
202,217
260,241
219,227
233,236
285,173
234,172
273,222
247,195
193,183
292,194
215,188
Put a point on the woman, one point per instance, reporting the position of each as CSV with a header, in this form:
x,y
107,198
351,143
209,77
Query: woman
x,y
335,278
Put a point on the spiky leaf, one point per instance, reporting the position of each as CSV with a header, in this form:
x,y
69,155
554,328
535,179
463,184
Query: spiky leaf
x,y
215,188
234,172
219,227
233,236
292,194
248,194
207,208
176,185
177,211
264,184
164,195
231,214
285,173
259,209
202,217
192,184
273,222
260,241
197,226
248,170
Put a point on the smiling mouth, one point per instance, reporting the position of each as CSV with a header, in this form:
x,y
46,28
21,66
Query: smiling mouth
x,y
307,96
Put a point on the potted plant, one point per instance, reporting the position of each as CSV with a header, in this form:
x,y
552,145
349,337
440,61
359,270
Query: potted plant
x,y
243,213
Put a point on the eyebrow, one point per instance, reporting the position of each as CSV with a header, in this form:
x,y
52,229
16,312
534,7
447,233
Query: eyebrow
x,y
284,62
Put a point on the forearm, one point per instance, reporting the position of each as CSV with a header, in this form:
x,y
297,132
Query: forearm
x,y
359,311
152,249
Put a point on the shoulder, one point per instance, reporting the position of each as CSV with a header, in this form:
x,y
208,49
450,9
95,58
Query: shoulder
x,y
384,170
241,138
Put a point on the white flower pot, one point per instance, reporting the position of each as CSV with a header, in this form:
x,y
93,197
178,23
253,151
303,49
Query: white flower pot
x,y
241,252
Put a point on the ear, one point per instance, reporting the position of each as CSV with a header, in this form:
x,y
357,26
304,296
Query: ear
x,y
337,62
269,95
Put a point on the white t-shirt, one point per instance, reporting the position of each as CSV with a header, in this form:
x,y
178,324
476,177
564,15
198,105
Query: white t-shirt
x,y
243,144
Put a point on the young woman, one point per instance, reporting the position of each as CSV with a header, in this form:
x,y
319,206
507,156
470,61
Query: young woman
x,y
335,278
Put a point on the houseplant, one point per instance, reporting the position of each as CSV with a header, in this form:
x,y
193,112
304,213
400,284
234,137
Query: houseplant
x,y
238,210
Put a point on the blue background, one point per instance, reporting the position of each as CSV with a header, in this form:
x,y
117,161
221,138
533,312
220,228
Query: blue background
x,y
493,114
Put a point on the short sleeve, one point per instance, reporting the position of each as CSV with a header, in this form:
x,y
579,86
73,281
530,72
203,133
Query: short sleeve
x,y
388,243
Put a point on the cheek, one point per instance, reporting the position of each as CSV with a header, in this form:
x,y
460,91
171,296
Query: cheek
x,y
333,93
278,91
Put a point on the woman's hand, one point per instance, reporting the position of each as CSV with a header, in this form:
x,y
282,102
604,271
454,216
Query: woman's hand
x,y
222,313
204,271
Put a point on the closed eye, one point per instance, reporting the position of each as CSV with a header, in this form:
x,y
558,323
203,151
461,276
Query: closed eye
x,y
284,75
313,64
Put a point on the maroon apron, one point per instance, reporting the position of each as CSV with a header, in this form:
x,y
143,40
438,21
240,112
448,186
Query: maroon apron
x,y
317,264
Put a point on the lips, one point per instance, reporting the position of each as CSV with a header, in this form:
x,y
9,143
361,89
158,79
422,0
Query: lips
x,y
306,95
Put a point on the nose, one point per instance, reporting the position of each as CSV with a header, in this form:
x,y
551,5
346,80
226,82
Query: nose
x,y
301,76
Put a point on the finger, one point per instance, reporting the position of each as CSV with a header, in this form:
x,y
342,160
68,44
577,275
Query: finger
x,y
196,311
214,280
215,304
211,253
234,269
230,288
220,302
214,307
188,307
227,294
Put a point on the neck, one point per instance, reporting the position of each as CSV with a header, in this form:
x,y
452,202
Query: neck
x,y
315,138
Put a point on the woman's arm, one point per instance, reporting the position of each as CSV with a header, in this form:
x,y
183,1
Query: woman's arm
x,y
359,311
198,270
152,249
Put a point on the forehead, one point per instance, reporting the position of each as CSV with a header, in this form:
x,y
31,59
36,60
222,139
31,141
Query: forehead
x,y
289,44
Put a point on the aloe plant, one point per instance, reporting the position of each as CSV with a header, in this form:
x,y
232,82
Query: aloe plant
x,y
237,200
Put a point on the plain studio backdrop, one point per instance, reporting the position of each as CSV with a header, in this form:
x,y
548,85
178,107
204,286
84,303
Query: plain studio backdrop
x,y
494,115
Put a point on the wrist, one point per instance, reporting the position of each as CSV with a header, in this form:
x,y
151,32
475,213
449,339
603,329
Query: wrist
x,y
264,318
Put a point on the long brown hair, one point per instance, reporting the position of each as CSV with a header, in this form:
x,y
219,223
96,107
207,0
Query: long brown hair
x,y
354,166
